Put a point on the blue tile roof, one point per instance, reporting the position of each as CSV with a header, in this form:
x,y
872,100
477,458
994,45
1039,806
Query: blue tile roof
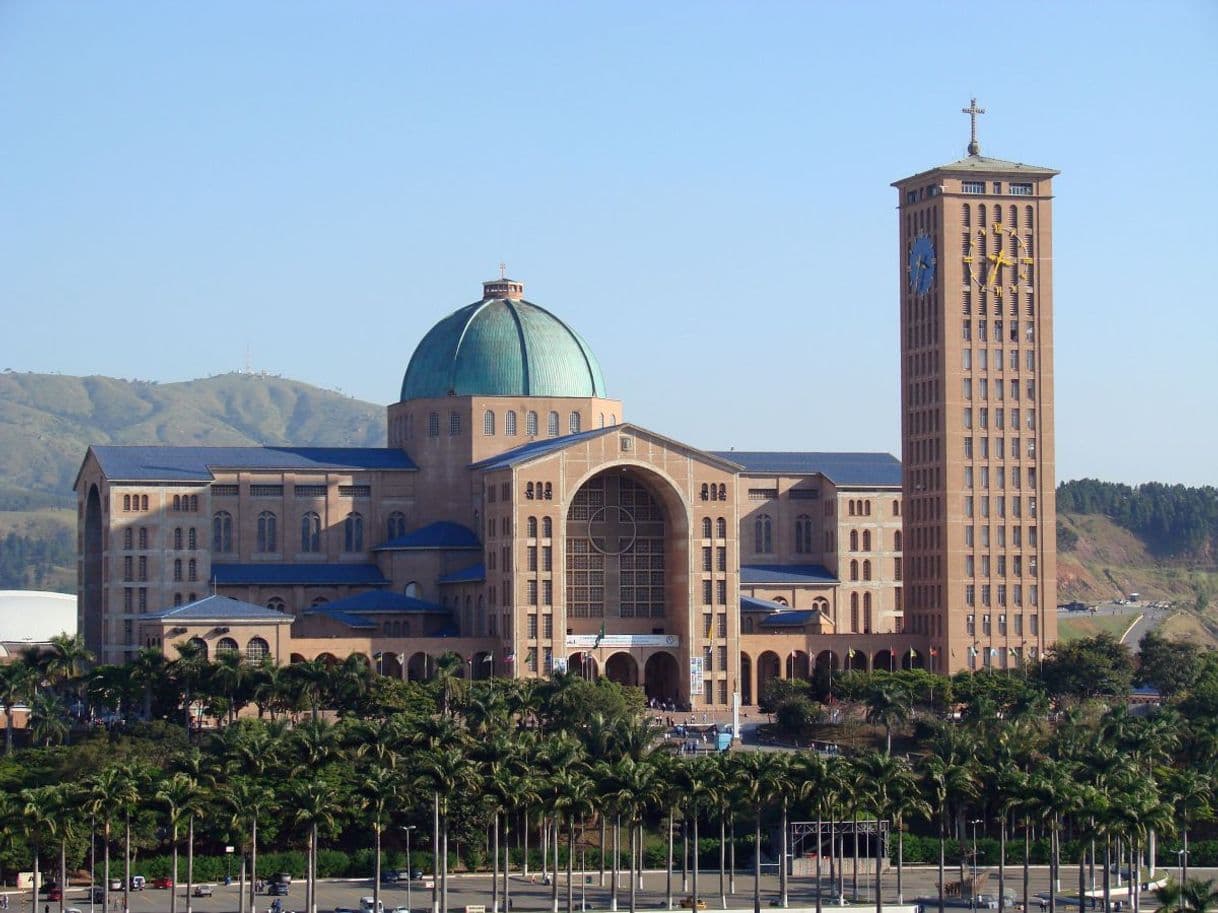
x,y
472,574
786,573
880,470
537,448
440,534
753,604
196,464
795,618
383,601
351,621
220,608
307,574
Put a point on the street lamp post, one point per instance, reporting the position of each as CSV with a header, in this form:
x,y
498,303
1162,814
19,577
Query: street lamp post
x,y
409,864
973,887
1182,861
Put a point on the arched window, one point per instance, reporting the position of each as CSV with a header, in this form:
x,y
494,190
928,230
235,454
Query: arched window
x,y
257,650
547,527
353,533
602,420
199,644
706,527
531,527
574,423
268,532
192,569
454,423
225,645
867,508
530,423
762,535
177,568
143,537
721,528
850,506
896,540
803,534
310,532
722,491
866,570
194,503
866,540
854,570
896,508
866,613
127,502
552,425
276,604
854,540
177,502
177,539
143,502
412,590
433,424
854,612
222,532
192,538
129,538
488,423
396,524
966,214
705,492
529,491
509,423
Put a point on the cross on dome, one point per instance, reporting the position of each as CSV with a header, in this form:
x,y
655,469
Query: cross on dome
x,y
974,148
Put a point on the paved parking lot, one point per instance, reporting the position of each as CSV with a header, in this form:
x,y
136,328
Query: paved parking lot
x,y
526,896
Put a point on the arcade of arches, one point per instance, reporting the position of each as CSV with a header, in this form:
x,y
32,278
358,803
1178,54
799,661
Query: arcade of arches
x,y
765,658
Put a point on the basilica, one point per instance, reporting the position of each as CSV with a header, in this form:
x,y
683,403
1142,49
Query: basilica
x,y
516,519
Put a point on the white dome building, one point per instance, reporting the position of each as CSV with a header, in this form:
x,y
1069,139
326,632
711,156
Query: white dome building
x,y
32,617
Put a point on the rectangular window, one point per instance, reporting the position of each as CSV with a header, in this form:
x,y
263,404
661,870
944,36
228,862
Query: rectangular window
x,y
723,691
707,592
763,494
532,626
722,555
306,491
968,536
970,598
128,568
707,625
708,659
970,624
143,568
968,506
547,626
266,491
128,599
706,558
708,691
968,448
547,592
721,592
1018,623
972,187
224,491
531,591
722,625
548,660
1019,190
721,655
532,557
143,599
1034,624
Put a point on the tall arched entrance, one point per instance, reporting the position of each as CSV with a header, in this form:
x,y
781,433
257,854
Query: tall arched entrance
x,y
662,677
584,665
621,668
746,680
90,611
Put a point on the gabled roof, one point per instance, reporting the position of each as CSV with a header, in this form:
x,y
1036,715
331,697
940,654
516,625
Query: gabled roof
x,y
535,449
475,573
440,534
345,618
306,574
862,470
219,608
197,464
382,601
753,604
786,573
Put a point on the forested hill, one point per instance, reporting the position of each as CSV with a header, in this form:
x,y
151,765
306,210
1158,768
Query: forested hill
x,y
48,420
1174,521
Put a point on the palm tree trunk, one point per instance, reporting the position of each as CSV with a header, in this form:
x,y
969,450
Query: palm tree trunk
x,y
127,866
668,874
617,832
731,852
524,839
782,862
554,828
854,875
1054,866
444,860
757,863
634,883
1107,875
695,861
507,863
63,871
1002,863
571,864
900,861
1184,865
1027,859
190,862
604,839
819,853
34,888
376,870
1082,875
495,864
8,729
722,859
942,852
309,870
684,855
254,863
435,854
173,894
544,834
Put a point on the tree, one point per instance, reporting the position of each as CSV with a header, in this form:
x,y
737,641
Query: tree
x,y
1091,667
179,794
948,775
317,802
377,787
888,704
1198,896
48,719
18,680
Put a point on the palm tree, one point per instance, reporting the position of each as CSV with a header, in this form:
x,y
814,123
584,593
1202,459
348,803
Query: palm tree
x,y
1198,896
637,788
149,673
888,704
309,683
39,816
104,792
317,802
48,719
445,772
189,674
179,793
62,802
1192,793
247,797
572,800
378,787
200,768
18,680
949,778
761,781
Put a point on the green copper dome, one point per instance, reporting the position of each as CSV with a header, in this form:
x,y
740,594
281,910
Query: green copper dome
x,y
502,346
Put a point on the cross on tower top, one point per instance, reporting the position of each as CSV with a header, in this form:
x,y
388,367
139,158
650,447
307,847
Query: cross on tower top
x,y
502,270
974,148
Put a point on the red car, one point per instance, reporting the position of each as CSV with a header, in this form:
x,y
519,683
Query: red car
x,y
163,882
54,893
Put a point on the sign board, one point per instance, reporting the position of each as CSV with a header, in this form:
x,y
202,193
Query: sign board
x,y
560,664
588,641
695,675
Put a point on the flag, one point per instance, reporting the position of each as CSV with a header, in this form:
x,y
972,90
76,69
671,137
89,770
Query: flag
x,y
530,656
993,651
934,651
509,658
850,653
489,658
600,635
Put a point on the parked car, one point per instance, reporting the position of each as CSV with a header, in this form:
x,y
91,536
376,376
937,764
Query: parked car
x,y
54,892
138,882
278,889
164,882
116,884
392,876
99,894
690,903
281,878
203,890
370,905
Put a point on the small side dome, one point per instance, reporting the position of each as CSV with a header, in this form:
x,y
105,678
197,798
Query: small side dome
x,y
502,346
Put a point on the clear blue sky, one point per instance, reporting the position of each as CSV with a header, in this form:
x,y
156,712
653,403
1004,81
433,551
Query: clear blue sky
x,y
701,189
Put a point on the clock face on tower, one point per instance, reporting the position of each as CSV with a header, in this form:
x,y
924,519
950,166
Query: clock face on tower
x,y
921,265
998,260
